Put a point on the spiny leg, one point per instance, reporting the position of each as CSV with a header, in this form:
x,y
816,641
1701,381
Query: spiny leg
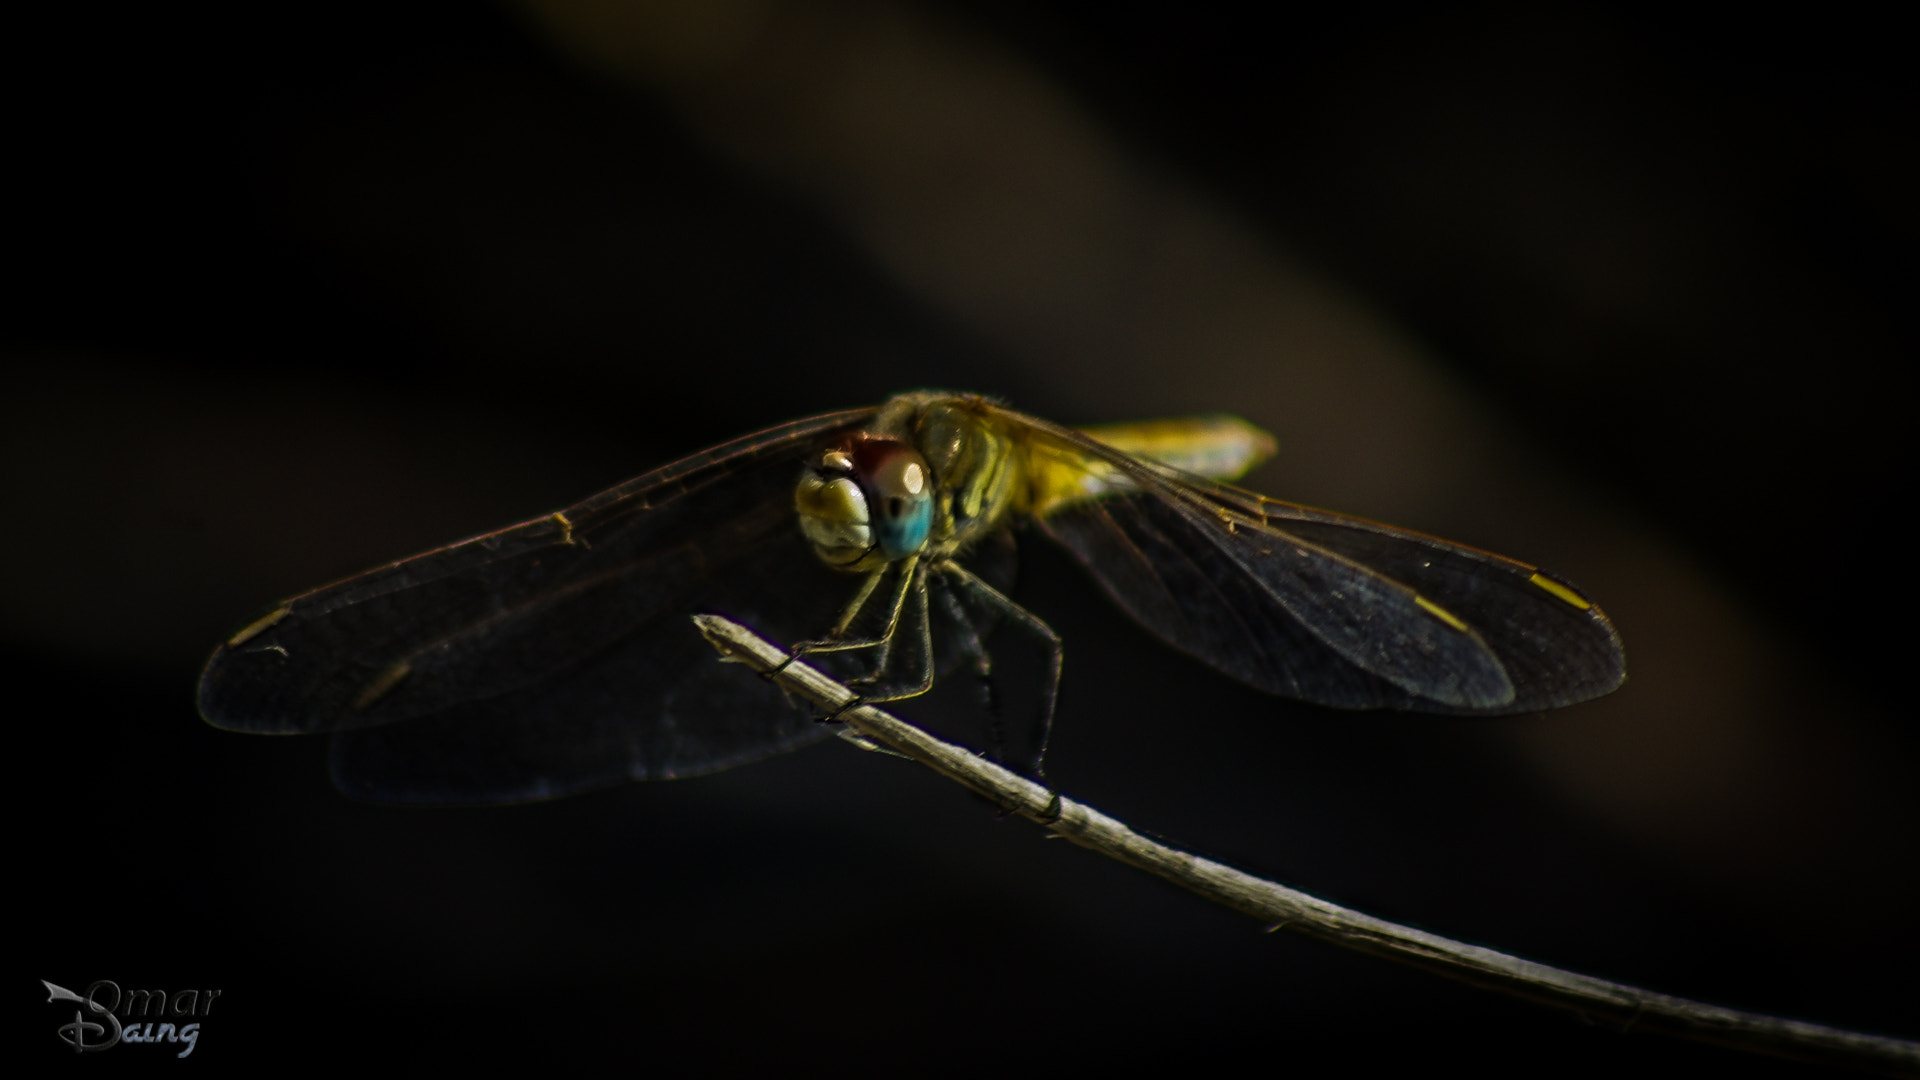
x,y
859,601
974,649
911,580
917,585
1056,654
833,642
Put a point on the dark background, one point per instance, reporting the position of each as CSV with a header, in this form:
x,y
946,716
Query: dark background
x,y
298,290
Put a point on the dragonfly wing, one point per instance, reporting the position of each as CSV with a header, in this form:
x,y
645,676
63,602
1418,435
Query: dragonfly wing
x,y
656,704
1286,617
553,655
1557,648
1325,608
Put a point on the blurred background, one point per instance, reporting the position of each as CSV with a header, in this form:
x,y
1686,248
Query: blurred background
x,y
305,288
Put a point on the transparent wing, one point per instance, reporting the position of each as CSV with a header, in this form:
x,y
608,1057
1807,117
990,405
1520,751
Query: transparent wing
x,y
1326,608
555,655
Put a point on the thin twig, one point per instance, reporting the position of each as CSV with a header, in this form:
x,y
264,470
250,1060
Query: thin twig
x,y
1284,908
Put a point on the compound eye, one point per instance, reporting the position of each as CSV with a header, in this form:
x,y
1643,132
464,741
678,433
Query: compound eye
x,y
899,495
903,476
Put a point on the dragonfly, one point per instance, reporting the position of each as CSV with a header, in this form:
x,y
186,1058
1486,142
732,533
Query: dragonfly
x,y
557,655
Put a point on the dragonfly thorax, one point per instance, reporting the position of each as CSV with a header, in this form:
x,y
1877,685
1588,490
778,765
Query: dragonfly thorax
x,y
866,501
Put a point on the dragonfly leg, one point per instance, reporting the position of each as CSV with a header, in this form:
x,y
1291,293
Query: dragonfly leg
x,y
971,644
911,582
858,602
833,717
975,649
922,622
834,641
1056,653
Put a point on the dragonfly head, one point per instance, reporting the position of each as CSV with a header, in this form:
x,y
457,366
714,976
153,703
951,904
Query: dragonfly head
x,y
866,501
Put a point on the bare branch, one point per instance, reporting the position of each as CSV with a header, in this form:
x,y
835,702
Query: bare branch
x,y
1628,1006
